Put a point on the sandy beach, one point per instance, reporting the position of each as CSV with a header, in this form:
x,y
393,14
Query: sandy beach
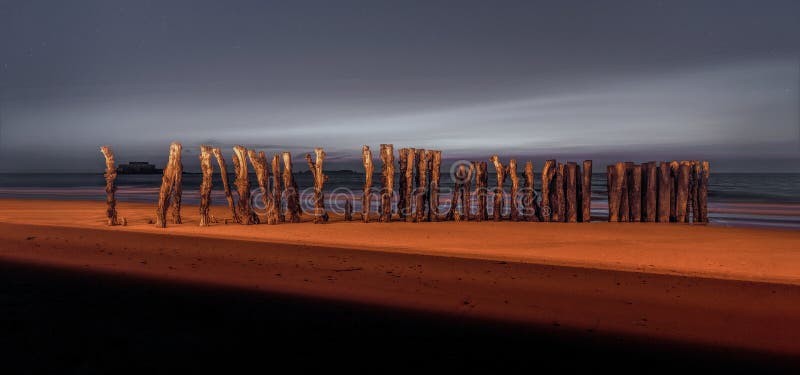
x,y
733,288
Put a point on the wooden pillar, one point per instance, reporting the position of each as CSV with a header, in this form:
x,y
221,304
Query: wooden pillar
x,y
663,206
458,193
205,185
293,209
548,181
167,184
635,193
422,158
558,198
530,208
408,188
402,162
177,189
111,186
259,162
624,205
315,167
223,171
650,186
366,197
277,214
497,212
674,166
512,173
616,193
480,190
243,186
682,191
387,157
348,210
436,165
695,190
702,191
466,194
586,192
571,192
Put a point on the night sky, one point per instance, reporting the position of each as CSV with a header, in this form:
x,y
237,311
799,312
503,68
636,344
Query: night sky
x,y
634,80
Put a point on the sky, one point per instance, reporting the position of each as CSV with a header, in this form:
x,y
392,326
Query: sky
x,y
603,80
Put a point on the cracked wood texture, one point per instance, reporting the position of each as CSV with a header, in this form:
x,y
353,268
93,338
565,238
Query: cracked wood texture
x,y
293,209
369,169
315,166
206,185
226,186
111,185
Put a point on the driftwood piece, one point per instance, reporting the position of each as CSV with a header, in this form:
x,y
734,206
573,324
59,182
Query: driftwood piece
x,y
571,192
663,205
223,171
205,186
615,195
293,209
276,214
348,209
408,186
650,193
436,166
682,191
635,193
387,180
402,155
548,182
702,192
111,186
177,189
369,169
259,162
315,166
512,174
167,184
421,158
497,211
243,186
586,192
559,214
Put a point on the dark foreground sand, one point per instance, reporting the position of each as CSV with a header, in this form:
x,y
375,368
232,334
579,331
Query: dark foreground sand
x,y
94,296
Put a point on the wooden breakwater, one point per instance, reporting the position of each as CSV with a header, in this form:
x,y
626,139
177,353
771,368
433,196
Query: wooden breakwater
x,y
649,192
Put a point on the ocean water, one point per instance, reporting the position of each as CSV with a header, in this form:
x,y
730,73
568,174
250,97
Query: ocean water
x,y
735,199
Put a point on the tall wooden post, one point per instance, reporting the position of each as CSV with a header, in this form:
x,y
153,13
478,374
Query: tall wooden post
x,y
497,211
635,193
674,167
223,171
480,190
315,167
387,158
408,186
694,190
466,197
422,184
177,189
664,206
259,162
571,192
243,186
558,196
205,185
548,182
702,193
458,194
650,185
512,173
402,162
369,169
624,205
531,210
436,165
616,193
682,191
111,186
277,214
293,209
586,192
348,209
167,184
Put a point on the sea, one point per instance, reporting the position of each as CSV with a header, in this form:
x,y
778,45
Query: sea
x,y
735,199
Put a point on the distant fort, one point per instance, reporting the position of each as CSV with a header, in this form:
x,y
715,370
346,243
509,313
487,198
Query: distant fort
x,y
138,167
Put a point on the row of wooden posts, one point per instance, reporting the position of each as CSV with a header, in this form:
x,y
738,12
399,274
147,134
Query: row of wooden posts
x,y
565,193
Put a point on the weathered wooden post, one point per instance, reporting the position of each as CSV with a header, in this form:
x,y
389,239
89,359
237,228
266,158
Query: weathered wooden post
x,y
497,211
205,185
616,193
548,182
578,193
111,186
682,191
512,173
259,162
436,166
530,208
223,171
348,210
366,197
650,185
664,206
586,192
167,184
624,205
694,190
243,186
177,189
558,195
315,166
276,215
480,190
571,192
402,161
635,193
458,193
387,158
702,194
466,196
407,189
421,192
674,167
293,209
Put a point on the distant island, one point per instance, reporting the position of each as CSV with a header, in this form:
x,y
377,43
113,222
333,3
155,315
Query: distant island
x,y
138,167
